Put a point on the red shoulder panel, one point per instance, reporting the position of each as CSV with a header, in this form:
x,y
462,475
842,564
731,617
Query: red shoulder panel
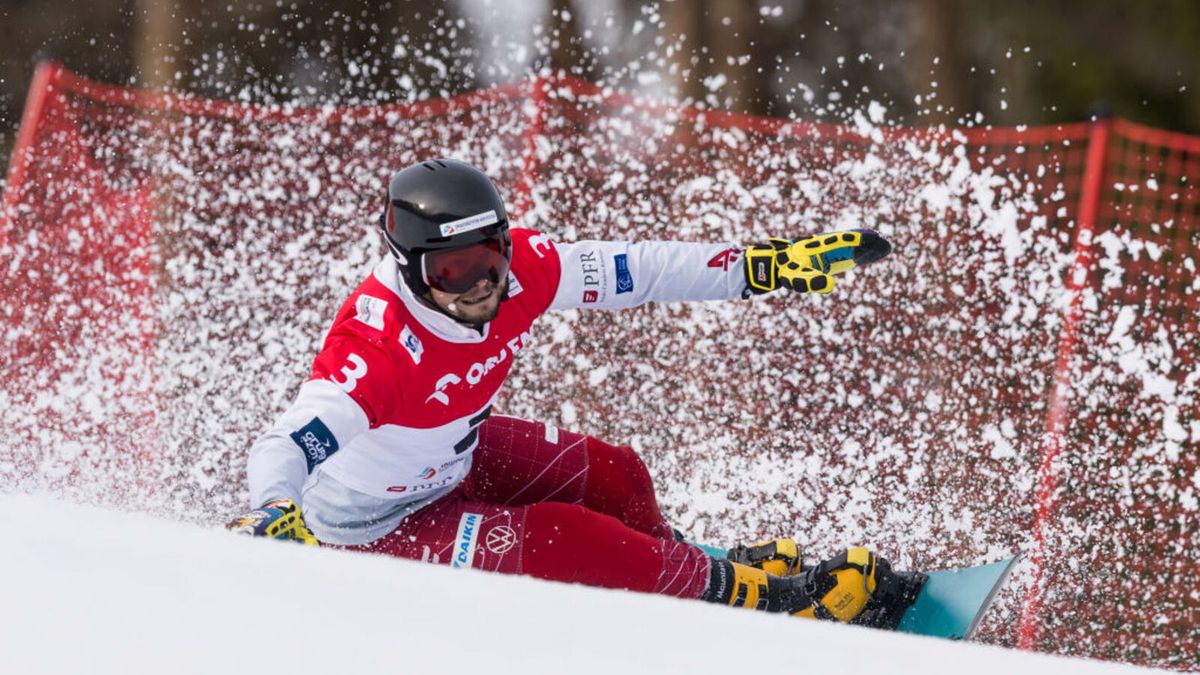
x,y
537,268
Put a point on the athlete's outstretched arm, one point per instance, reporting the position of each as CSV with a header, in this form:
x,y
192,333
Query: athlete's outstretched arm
x,y
621,274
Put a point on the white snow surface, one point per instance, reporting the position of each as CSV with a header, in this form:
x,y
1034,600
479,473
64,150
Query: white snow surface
x,y
90,590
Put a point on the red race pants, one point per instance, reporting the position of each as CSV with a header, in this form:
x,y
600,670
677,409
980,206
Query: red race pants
x,y
554,505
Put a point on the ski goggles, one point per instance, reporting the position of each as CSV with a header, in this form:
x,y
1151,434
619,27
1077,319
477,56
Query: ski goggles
x,y
457,270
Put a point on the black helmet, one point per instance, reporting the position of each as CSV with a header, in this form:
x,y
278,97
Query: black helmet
x,y
444,204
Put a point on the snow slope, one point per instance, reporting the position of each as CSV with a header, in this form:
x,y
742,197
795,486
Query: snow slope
x,y
86,590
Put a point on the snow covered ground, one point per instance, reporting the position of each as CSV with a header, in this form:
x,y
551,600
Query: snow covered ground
x,y
86,590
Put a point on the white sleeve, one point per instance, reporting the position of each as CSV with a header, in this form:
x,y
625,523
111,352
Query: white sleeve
x,y
621,274
321,421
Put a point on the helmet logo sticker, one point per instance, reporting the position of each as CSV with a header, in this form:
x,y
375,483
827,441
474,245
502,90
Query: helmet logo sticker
x,y
475,222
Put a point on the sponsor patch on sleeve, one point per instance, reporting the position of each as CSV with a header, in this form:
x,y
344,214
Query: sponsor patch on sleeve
x,y
316,441
624,278
725,259
592,274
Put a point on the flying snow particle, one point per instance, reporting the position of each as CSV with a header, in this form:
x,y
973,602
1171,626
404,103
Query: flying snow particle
x,y
568,413
1001,447
1172,429
876,111
715,82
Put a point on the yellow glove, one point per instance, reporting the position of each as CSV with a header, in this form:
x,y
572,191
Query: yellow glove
x,y
808,265
279,519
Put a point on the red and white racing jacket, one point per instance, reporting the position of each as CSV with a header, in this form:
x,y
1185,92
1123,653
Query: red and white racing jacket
x,y
388,421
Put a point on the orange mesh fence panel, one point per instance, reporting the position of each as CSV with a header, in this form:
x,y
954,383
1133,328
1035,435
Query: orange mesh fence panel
x,y
1124,533
907,410
78,401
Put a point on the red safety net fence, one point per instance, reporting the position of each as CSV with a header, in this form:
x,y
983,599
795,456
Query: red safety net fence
x,y
1020,375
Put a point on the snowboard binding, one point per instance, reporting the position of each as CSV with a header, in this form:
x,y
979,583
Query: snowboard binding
x,y
839,586
894,593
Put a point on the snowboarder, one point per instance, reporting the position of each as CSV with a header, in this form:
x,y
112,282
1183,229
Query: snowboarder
x,y
392,445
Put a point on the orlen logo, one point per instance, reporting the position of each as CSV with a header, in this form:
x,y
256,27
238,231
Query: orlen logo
x,y
477,371
468,537
725,258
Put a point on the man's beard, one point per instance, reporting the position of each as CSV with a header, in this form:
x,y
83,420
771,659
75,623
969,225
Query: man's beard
x,y
456,308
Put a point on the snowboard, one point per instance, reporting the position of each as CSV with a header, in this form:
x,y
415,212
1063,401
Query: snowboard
x,y
951,602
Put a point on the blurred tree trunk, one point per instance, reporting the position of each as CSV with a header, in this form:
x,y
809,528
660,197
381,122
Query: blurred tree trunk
x,y
719,61
160,59
438,55
684,28
936,26
160,64
731,26
568,51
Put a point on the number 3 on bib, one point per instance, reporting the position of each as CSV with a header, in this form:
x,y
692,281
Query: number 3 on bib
x,y
356,369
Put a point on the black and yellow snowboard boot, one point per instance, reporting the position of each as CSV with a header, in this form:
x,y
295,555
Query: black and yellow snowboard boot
x,y
855,587
780,557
